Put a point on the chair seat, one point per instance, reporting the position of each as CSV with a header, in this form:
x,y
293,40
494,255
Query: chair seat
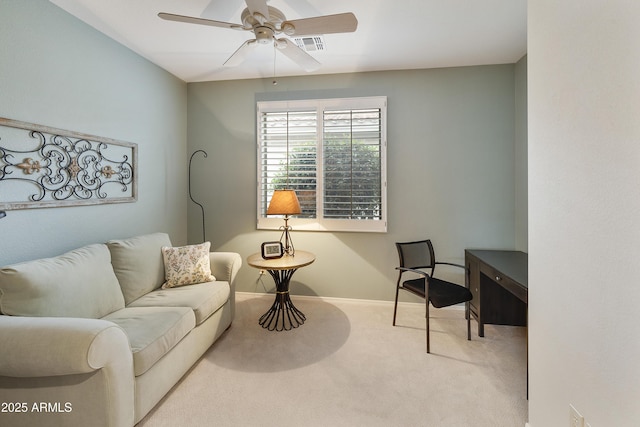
x,y
441,293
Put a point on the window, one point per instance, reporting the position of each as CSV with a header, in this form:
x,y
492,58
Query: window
x,y
332,152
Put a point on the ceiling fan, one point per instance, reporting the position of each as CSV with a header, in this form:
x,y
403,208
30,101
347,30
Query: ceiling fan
x,y
267,22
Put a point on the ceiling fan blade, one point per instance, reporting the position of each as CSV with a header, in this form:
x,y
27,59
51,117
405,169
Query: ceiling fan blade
x,y
201,21
258,6
297,55
328,24
240,54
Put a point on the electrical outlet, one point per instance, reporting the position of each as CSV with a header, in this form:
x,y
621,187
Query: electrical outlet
x,y
575,419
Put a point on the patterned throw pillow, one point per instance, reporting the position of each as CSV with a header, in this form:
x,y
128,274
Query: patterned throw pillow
x,y
186,265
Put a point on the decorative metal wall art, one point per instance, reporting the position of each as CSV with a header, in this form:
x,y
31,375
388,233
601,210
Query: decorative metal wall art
x,y
43,167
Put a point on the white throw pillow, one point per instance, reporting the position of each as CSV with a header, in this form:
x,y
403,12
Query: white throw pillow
x,y
186,265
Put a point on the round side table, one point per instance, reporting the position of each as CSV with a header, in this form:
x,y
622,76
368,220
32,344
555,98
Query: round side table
x,y
283,315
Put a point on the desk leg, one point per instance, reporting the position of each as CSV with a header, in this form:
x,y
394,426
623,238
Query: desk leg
x,y
283,315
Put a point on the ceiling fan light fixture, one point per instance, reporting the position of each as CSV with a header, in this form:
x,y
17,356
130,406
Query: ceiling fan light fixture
x,y
264,35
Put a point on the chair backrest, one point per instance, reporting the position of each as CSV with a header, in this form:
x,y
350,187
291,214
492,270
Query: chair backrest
x,y
418,255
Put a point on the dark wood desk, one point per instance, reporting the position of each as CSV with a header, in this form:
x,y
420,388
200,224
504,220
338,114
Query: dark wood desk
x,y
498,282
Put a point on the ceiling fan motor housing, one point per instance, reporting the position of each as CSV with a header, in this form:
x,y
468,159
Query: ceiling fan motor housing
x,y
263,27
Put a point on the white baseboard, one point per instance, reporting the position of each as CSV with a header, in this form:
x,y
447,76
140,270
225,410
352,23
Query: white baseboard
x,y
348,300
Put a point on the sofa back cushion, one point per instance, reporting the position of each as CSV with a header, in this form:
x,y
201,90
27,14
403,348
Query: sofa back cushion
x,y
138,263
80,283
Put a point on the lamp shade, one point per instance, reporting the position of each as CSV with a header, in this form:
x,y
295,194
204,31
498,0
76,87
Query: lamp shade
x,y
284,202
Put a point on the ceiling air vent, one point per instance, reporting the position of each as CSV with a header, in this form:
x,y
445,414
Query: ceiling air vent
x,y
310,44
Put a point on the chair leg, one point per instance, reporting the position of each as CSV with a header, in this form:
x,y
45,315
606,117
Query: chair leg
x,y
468,321
395,307
428,341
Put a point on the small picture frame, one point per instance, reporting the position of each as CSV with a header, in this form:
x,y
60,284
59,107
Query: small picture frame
x,y
271,250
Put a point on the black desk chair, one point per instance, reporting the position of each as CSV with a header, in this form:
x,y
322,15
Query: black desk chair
x,y
419,258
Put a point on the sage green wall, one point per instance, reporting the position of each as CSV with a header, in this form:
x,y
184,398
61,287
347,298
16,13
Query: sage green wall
x,y
451,172
57,71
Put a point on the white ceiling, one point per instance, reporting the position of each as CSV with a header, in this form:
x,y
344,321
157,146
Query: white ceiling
x,y
391,34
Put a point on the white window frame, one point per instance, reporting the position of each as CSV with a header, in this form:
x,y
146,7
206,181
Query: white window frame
x,y
319,223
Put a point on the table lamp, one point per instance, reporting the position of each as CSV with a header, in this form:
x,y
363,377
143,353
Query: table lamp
x,y
285,202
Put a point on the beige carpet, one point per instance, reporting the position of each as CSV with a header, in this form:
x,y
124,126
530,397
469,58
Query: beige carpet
x,y
347,366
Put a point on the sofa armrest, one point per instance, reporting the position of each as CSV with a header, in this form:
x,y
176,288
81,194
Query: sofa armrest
x,y
225,265
54,346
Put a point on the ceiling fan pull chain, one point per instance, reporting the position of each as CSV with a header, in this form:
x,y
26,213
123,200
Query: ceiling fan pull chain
x,y
275,82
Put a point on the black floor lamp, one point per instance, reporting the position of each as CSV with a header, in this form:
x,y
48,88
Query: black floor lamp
x,y
201,207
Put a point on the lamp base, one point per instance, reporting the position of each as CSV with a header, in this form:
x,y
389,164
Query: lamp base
x,y
287,245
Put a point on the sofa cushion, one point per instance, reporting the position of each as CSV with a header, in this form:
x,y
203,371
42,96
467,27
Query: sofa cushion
x,y
186,265
204,298
79,283
152,331
138,263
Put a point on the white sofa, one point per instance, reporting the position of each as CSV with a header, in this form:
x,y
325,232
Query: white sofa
x,y
89,338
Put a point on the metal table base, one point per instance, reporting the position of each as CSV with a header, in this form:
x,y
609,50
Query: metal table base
x,y
283,315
